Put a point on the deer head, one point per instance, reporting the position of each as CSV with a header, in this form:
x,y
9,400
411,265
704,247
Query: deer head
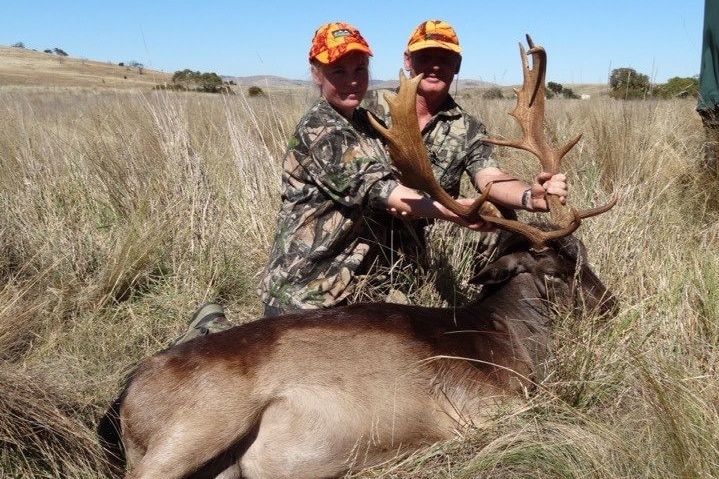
x,y
409,156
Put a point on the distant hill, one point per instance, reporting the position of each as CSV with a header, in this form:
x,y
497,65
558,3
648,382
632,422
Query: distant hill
x,y
460,84
267,81
279,82
25,67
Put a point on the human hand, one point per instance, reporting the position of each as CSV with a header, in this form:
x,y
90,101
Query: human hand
x,y
476,225
545,183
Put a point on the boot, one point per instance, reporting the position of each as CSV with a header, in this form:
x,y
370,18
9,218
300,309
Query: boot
x,y
209,318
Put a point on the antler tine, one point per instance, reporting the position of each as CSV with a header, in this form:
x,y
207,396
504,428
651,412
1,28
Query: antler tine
x,y
539,238
529,113
408,153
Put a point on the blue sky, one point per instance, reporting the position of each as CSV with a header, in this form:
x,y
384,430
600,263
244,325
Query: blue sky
x,y
584,39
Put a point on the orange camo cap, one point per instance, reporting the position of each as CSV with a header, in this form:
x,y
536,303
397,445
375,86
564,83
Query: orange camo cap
x,y
434,34
333,40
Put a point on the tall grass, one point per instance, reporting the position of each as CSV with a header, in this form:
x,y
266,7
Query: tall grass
x,y
120,212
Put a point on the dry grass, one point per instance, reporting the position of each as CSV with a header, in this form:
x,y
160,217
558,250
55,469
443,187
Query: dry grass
x,y
123,210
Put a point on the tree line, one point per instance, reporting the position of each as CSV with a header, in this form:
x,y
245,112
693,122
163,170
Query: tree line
x,y
624,84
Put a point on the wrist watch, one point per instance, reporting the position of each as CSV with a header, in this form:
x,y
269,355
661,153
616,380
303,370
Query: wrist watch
x,y
527,198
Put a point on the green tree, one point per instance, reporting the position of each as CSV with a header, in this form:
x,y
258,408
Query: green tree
x,y
627,84
568,93
210,82
557,88
135,64
196,81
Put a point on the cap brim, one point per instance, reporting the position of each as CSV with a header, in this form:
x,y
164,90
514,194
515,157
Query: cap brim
x,y
324,57
434,44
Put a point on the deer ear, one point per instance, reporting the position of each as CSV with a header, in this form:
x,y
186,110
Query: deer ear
x,y
501,270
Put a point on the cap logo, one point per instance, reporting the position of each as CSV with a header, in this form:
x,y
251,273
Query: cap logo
x,y
438,36
341,33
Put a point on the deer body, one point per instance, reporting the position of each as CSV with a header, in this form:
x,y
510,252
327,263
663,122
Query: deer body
x,y
323,392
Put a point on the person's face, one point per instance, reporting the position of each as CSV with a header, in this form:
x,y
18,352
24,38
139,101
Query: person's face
x,y
343,83
438,65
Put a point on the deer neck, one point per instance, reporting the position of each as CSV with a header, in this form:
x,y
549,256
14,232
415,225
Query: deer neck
x,y
529,317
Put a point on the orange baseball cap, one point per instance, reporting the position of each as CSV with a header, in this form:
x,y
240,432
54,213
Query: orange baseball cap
x,y
434,34
333,40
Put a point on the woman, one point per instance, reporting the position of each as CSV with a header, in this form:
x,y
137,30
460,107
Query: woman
x,y
336,186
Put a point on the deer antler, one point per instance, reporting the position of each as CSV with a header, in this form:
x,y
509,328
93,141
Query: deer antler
x,y
529,113
408,153
409,156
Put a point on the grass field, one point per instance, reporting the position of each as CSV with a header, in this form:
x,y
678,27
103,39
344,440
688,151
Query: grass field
x,y
121,210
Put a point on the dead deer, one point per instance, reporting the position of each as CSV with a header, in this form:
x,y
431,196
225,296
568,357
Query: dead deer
x,y
322,392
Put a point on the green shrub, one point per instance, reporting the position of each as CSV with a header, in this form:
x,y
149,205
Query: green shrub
x,y
627,84
196,81
678,87
255,91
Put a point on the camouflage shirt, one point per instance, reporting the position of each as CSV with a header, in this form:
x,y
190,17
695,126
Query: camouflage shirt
x,y
336,180
454,140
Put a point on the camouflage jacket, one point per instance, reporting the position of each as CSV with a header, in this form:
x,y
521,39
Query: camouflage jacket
x,y
332,221
454,140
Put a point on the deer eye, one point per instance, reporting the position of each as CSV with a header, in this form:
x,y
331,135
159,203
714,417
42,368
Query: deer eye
x,y
552,277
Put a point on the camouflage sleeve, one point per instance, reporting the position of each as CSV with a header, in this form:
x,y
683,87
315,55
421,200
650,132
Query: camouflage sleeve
x,y
379,193
479,153
342,164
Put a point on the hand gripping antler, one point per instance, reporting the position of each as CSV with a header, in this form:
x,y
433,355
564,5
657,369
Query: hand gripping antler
x,y
408,153
529,113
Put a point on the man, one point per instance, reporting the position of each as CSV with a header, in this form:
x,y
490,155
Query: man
x,y
708,104
455,139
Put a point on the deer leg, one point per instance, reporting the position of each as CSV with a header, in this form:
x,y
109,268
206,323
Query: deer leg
x,y
170,462
178,452
300,437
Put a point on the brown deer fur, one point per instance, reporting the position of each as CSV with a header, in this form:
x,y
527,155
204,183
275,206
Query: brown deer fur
x,y
320,393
